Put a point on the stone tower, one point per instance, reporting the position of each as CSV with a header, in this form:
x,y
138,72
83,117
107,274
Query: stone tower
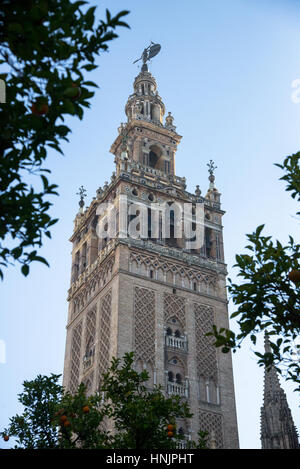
x,y
155,293
277,427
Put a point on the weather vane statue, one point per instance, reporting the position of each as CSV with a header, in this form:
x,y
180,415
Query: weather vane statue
x,y
148,53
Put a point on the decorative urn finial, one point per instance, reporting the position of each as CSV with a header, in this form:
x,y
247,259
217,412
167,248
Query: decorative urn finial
x,y
169,122
197,191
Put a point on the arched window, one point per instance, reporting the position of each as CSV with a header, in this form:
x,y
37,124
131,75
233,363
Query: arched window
x,y
83,257
173,224
89,351
153,158
76,266
177,333
170,376
208,241
149,214
178,378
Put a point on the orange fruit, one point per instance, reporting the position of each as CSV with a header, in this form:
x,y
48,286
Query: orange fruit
x,y
73,92
294,276
170,427
6,438
39,108
76,87
85,409
170,434
66,423
63,418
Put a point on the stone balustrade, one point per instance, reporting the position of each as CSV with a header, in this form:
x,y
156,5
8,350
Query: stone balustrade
x,y
176,342
175,389
88,362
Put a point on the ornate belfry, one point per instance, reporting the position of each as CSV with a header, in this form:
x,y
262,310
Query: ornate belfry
x,y
277,426
146,286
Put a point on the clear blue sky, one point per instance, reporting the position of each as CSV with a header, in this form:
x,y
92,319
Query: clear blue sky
x,y
225,71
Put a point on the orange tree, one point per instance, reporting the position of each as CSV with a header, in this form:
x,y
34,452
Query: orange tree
x,y
47,47
33,429
142,418
268,298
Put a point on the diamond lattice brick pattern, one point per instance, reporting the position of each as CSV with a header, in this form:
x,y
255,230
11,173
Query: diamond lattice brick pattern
x,y
206,351
174,306
144,310
75,357
104,333
212,423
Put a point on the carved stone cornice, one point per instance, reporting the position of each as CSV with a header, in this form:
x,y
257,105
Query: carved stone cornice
x,y
166,265
176,253
151,130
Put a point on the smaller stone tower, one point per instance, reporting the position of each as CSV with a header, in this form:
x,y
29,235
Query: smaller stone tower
x,y
277,426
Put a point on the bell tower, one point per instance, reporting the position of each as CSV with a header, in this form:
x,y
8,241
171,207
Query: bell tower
x,y
150,142
152,285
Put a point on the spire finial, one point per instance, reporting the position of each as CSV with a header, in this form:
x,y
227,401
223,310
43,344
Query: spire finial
x,y
267,343
211,168
82,194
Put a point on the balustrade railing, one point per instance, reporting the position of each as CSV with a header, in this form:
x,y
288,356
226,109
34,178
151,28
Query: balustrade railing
x,y
176,342
88,362
183,443
175,389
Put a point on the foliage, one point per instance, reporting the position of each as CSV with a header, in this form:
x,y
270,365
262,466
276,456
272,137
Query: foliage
x,y
33,429
142,418
46,49
268,299
79,418
292,175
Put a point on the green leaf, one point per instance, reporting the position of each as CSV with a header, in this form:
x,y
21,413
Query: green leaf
x,y
41,259
89,67
25,269
259,230
90,83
